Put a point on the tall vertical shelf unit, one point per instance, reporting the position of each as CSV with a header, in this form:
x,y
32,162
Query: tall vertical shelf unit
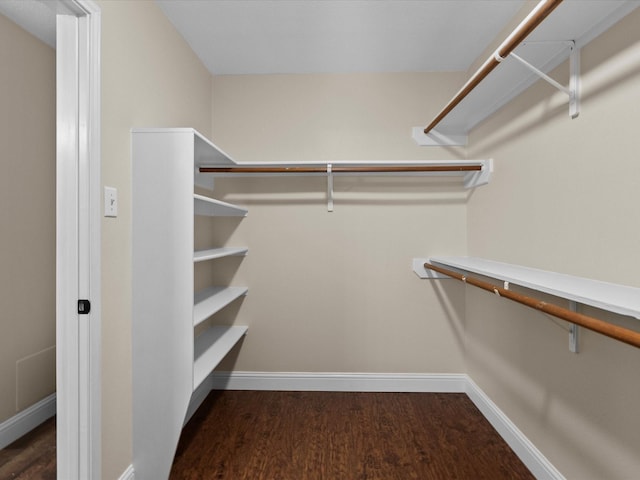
x,y
171,362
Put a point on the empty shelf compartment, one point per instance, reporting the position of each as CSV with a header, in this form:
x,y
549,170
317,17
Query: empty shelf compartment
x,y
213,253
211,347
215,208
213,299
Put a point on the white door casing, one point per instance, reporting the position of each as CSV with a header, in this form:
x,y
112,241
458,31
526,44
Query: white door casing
x,y
78,220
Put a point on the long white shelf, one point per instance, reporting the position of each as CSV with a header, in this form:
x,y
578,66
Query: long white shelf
x,y
470,178
211,254
211,347
215,208
620,299
212,300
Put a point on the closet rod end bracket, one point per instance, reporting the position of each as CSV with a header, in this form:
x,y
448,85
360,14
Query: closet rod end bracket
x,y
481,177
437,139
421,272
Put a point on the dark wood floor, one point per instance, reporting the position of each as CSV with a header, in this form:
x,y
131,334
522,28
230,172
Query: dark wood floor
x,y
32,457
342,436
315,436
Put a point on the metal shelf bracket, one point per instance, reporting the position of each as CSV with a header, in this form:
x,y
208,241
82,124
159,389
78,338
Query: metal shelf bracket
x,y
329,188
574,330
573,91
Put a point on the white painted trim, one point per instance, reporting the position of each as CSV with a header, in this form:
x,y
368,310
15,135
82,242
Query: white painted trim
x,y
128,474
339,382
26,420
78,240
535,461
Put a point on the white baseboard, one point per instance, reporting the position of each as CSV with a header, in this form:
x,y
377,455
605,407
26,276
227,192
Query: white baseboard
x,y
535,461
28,419
127,474
339,382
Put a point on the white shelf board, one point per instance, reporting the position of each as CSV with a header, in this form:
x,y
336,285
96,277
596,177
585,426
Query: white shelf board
x,y
213,253
546,48
212,300
620,299
215,208
205,151
211,347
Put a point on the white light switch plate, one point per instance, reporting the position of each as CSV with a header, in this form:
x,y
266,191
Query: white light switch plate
x,y
110,202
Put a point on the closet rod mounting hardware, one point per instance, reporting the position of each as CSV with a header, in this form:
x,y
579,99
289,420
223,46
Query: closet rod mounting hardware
x,y
329,188
574,330
418,268
435,138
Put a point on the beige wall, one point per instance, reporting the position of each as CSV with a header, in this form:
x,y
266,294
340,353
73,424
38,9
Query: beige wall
x,y
27,216
150,78
335,291
564,197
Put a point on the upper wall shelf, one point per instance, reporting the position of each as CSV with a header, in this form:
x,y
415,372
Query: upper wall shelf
x,y
572,24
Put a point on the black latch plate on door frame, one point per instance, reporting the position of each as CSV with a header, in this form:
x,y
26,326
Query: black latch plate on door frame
x,y
84,307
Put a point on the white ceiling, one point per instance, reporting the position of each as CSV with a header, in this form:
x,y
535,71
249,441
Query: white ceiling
x,y
36,17
338,36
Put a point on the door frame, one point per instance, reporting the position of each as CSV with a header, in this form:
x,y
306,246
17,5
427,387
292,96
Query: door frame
x,y
78,253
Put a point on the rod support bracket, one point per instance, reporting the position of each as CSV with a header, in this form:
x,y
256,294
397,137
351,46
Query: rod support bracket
x,y
329,188
574,330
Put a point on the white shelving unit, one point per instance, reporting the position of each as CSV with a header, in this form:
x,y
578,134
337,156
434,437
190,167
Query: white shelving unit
x,y
169,361
211,347
620,299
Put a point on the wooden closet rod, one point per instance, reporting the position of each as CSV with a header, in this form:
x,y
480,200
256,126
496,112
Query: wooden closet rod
x,y
537,15
622,334
345,169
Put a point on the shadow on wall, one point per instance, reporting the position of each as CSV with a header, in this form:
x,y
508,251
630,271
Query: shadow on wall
x,y
567,397
453,310
388,191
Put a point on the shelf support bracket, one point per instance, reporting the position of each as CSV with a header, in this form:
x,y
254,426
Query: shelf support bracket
x,y
574,330
329,188
573,91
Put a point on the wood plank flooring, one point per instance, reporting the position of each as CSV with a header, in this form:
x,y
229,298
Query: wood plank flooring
x,y
315,436
342,436
31,457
